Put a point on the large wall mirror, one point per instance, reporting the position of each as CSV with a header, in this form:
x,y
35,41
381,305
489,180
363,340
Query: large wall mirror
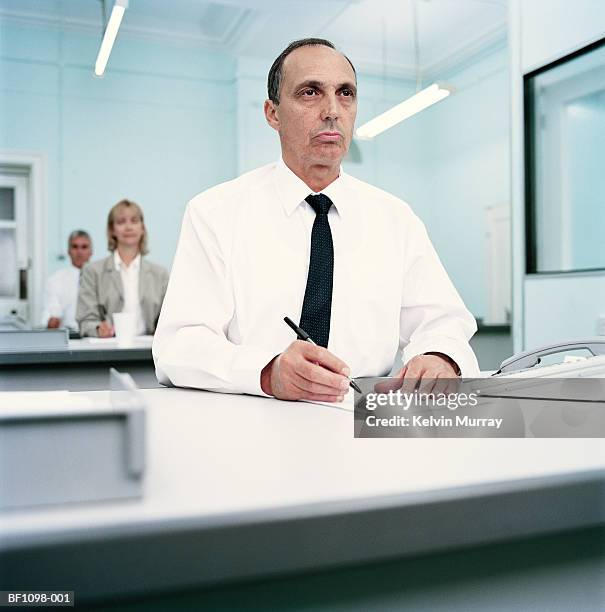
x,y
565,142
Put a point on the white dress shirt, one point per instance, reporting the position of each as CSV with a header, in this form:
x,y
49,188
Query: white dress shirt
x,y
130,284
61,297
241,265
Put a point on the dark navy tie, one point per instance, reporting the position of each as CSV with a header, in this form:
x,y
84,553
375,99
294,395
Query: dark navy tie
x,y
317,305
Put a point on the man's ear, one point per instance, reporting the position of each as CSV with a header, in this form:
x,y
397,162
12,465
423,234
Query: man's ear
x,y
271,114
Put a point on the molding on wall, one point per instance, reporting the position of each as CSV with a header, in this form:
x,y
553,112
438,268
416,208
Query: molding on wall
x,y
448,62
223,44
246,22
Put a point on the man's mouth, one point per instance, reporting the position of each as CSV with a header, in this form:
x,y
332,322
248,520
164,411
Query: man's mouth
x,y
329,136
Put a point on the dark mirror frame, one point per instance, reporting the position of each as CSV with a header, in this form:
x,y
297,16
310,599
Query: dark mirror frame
x,y
531,253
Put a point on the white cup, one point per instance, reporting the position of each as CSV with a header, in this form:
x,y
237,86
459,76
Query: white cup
x,y
123,323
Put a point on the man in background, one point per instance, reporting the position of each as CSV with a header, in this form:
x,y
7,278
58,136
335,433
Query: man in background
x,y
62,287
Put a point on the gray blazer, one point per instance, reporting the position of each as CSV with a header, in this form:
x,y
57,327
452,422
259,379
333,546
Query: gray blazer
x,y
101,294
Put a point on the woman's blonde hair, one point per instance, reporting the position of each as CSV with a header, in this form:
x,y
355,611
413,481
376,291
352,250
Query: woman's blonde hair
x,y
112,243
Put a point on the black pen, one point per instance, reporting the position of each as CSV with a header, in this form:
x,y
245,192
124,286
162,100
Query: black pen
x,y
303,335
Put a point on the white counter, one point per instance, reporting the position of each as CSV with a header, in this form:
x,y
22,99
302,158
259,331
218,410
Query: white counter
x,y
241,486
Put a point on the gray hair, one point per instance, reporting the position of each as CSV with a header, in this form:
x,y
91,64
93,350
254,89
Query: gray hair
x,y
79,233
276,71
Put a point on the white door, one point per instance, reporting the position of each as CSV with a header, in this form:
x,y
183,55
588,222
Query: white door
x,y
14,257
498,264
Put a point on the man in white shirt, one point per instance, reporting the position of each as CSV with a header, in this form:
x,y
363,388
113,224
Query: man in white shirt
x,y
61,295
300,238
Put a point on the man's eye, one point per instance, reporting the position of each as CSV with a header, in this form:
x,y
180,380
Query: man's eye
x,y
309,92
348,93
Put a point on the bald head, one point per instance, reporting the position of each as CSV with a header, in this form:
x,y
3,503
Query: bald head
x,y
276,73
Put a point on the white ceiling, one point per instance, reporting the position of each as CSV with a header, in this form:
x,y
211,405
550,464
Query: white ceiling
x,y
378,35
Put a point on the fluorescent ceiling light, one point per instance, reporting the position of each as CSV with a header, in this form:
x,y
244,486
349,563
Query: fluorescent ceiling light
x,y
418,102
111,31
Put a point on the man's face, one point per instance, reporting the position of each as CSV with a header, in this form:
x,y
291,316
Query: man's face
x,y
318,104
80,251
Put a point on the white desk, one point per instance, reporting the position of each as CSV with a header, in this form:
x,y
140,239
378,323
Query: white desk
x,y
241,487
84,366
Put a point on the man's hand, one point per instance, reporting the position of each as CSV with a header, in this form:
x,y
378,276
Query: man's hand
x,y
434,374
306,371
53,323
431,373
105,330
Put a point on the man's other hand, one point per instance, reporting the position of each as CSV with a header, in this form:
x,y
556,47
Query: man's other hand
x,y
53,323
105,330
433,373
306,371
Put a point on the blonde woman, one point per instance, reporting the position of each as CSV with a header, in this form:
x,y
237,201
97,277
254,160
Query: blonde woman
x,y
124,281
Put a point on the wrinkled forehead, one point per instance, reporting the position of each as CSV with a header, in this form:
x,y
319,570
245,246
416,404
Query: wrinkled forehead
x,y
79,241
317,63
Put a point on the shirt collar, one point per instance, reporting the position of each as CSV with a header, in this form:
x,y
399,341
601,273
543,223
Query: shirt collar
x,y
135,264
292,190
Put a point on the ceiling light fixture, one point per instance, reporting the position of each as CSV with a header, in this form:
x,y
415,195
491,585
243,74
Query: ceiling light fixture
x,y
404,110
111,31
418,102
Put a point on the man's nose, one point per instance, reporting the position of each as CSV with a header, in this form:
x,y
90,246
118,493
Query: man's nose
x,y
329,109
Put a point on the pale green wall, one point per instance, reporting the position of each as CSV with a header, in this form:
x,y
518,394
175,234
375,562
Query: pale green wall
x,y
158,128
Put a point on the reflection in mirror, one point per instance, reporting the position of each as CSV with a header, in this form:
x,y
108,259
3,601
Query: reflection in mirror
x,y
566,115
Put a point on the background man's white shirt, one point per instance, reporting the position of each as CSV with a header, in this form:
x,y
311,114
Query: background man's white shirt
x,y
61,297
241,265
130,284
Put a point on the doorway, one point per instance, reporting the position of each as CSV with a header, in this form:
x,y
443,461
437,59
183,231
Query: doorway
x,y
22,239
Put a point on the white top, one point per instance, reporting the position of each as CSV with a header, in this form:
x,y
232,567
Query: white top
x,y
130,284
226,472
61,297
253,454
241,266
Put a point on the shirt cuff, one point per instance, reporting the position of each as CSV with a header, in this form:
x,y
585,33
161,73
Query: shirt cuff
x,y
247,367
460,352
